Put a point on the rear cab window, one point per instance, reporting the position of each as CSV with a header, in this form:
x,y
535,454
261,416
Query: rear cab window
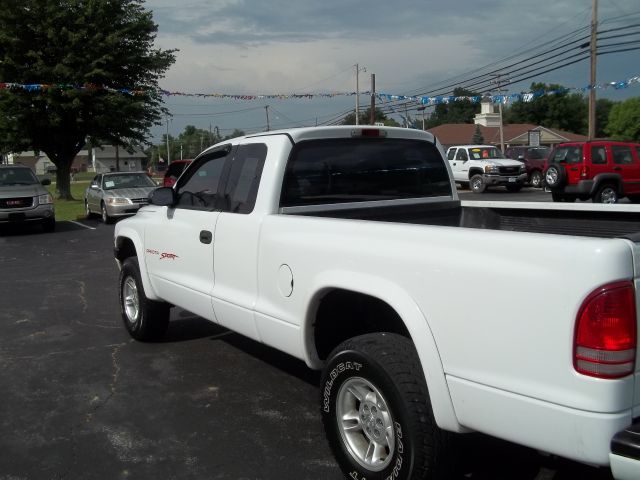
x,y
332,171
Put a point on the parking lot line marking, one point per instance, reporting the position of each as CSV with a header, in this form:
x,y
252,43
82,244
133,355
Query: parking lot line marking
x,y
82,225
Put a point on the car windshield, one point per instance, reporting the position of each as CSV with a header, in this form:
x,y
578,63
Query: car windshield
x,y
17,176
127,180
482,153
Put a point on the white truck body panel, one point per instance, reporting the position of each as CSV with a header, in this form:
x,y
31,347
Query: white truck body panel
x,y
493,362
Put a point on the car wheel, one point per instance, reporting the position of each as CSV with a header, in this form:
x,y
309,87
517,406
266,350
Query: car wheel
x,y
536,179
145,320
377,414
606,194
555,176
514,188
49,225
87,211
476,184
105,215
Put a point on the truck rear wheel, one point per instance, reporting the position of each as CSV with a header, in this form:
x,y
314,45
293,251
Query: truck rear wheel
x,y
377,414
145,320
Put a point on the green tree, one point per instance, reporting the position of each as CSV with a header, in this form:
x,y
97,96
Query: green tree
x,y
559,109
477,138
603,108
71,43
365,118
624,120
460,111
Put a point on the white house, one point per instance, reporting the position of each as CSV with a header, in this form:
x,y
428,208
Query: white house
x,y
103,159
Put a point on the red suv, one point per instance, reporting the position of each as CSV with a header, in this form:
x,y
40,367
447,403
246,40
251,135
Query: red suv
x,y
174,171
603,171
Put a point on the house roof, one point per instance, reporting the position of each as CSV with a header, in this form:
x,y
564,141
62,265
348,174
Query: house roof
x,y
109,152
515,134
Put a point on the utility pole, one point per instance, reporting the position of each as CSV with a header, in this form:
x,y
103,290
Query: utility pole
x,y
498,82
358,91
168,154
266,109
422,109
373,99
592,82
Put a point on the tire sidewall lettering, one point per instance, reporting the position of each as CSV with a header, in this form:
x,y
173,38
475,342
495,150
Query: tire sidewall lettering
x,y
340,372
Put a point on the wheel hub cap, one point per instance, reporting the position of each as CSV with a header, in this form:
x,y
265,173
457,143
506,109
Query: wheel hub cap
x,y
130,300
365,424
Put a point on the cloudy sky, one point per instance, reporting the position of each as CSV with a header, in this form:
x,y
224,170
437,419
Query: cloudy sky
x,y
413,47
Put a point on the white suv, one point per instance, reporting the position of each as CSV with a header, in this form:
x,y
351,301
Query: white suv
x,y
480,166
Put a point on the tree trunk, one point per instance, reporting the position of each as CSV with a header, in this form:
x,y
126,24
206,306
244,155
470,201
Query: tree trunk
x,y
63,180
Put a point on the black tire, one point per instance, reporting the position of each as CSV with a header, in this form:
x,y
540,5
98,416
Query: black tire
x,y
535,179
555,176
378,379
514,188
144,319
87,211
104,214
476,184
606,194
49,225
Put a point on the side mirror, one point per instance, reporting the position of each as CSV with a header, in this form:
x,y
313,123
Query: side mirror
x,y
45,182
163,197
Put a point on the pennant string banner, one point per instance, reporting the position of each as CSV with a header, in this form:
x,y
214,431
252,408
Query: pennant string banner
x,y
424,100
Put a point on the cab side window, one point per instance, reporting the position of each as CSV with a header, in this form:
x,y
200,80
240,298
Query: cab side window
x,y
462,155
451,154
244,178
200,187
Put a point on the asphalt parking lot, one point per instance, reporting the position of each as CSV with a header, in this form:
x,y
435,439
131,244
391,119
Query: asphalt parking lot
x,y
81,400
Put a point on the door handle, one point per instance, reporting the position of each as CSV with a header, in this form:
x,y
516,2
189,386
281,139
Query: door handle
x,y
205,236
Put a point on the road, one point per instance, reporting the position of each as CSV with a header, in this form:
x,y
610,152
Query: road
x,y
81,400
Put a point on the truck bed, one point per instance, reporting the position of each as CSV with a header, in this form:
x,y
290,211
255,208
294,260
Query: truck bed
x,y
605,221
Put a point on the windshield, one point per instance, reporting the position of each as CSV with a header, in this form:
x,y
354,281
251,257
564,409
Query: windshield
x,y
127,180
17,176
482,153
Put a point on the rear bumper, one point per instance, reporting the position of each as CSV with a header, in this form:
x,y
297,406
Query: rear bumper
x,y
625,453
583,188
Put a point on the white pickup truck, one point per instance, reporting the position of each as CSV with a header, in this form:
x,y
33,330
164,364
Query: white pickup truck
x,y
482,166
348,248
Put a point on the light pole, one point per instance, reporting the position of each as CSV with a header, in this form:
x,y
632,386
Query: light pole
x,y
358,70
422,109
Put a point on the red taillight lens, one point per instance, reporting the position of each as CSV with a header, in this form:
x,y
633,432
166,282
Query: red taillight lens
x,y
605,343
584,172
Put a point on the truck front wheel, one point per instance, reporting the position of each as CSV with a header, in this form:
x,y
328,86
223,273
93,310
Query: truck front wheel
x,y
145,320
477,184
377,414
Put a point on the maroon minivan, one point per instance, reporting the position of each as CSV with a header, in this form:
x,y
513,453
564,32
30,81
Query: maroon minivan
x,y
603,171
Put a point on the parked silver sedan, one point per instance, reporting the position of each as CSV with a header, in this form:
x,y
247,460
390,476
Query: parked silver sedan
x,y
117,194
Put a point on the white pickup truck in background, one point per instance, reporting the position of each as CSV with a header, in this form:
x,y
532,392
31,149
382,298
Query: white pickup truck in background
x,y
480,166
348,248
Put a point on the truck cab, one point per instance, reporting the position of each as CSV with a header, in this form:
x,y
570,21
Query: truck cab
x,y
480,166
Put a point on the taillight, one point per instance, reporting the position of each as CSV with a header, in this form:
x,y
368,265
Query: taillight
x,y
368,132
605,341
584,172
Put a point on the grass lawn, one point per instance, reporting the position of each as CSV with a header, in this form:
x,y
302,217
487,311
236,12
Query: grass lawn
x,y
70,209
